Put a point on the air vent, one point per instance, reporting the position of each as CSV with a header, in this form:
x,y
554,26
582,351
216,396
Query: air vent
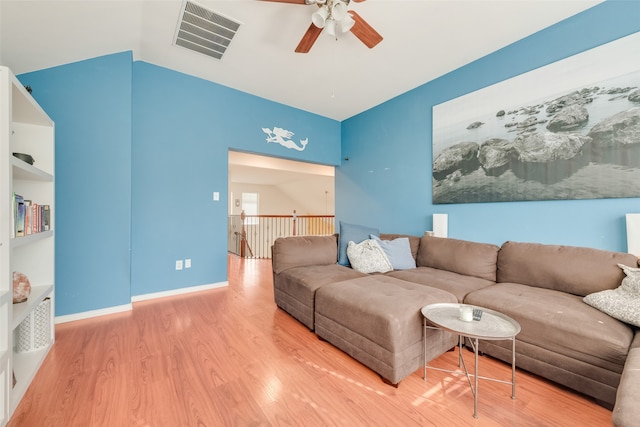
x,y
204,31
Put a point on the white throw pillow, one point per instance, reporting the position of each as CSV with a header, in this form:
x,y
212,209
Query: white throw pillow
x,y
622,303
368,257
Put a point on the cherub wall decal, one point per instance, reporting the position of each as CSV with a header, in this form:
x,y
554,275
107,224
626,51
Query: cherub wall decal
x,y
283,137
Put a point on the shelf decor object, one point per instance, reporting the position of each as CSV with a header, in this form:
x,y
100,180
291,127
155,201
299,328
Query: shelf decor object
x,y
26,239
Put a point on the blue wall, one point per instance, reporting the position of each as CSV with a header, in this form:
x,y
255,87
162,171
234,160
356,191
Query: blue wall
x,y
183,129
90,103
139,152
386,182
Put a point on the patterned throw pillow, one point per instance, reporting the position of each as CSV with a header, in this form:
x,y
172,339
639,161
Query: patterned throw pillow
x,y
368,257
622,303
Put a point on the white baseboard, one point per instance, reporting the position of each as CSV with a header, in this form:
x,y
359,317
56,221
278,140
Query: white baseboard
x,y
93,313
179,291
129,307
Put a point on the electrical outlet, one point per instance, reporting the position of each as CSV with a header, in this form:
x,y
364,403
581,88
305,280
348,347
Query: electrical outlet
x,y
187,263
179,264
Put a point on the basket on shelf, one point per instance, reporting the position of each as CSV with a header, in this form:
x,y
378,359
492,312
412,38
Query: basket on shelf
x,y
34,332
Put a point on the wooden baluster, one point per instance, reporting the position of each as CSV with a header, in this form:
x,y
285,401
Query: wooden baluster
x,y
295,219
243,235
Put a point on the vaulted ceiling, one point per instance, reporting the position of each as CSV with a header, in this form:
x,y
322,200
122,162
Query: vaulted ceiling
x,y
338,78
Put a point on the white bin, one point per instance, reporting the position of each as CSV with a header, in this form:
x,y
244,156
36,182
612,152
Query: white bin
x,y
34,332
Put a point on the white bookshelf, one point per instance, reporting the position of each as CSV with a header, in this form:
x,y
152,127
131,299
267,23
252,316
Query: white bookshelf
x,y
24,128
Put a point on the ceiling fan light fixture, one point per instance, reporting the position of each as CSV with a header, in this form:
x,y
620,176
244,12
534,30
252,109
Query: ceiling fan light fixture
x,y
330,27
339,10
319,18
334,17
347,23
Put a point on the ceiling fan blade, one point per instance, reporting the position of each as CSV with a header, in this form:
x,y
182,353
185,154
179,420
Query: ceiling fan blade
x,y
289,1
365,32
308,39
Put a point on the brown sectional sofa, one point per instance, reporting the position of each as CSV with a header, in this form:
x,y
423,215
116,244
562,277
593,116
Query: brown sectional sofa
x,y
541,286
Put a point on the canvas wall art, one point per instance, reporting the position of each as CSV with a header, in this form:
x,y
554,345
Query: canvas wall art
x,y
569,130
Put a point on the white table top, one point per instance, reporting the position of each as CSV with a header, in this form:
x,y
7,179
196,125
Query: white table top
x,y
492,326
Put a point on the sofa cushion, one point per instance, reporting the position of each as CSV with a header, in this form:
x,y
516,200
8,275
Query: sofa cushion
x,y
576,270
560,322
376,308
457,284
300,251
295,288
377,320
459,256
368,257
398,252
622,303
352,233
303,282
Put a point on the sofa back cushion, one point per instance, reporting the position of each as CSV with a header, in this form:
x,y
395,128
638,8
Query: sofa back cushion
x,y
414,241
302,251
459,256
575,270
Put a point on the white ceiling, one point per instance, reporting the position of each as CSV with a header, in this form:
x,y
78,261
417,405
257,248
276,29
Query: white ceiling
x,y
303,182
337,78
245,168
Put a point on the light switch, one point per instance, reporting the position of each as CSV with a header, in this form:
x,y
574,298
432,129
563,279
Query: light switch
x,y
216,196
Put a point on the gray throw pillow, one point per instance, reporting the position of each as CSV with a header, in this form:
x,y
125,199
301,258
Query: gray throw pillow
x,y
398,251
622,303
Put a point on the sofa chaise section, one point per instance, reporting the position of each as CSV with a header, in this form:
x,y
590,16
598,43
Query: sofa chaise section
x,y
377,321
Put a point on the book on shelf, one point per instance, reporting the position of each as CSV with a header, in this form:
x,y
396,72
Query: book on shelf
x,y
46,217
33,218
37,224
14,210
19,214
29,217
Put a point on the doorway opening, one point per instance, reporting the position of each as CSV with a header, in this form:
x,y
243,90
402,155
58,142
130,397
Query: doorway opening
x,y
272,197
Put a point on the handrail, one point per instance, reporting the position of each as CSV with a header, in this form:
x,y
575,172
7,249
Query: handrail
x,y
251,236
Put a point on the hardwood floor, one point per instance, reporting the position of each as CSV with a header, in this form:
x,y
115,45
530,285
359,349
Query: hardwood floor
x,y
230,357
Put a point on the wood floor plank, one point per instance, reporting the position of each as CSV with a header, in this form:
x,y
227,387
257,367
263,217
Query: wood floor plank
x,y
230,357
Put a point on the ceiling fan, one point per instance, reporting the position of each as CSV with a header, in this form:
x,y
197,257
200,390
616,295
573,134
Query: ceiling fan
x,y
333,16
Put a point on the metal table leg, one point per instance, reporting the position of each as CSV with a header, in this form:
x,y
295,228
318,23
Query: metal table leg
x,y
475,390
424,349
513,368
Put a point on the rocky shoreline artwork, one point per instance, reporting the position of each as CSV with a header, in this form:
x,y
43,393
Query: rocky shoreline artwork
x,y
582,142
